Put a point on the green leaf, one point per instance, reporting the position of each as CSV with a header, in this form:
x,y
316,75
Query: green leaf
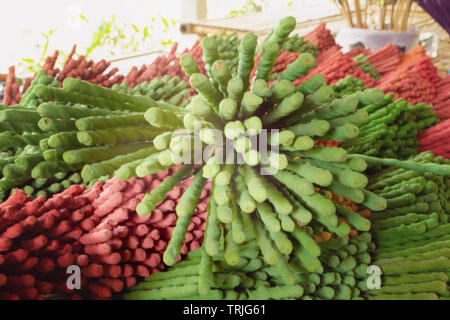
x,y
167,42
135,28
165,22
146,33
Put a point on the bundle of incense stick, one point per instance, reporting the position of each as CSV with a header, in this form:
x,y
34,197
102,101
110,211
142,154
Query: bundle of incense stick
x,y
376,14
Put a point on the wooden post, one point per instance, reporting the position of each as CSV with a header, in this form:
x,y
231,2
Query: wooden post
x,y
349,13
404,24
398,14
391,20
193,10
383,14
365,14
358,14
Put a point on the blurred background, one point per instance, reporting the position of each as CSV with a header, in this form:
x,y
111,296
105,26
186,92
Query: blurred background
x,y
112,28
134,32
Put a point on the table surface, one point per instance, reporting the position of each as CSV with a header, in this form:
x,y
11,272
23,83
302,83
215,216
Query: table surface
x,y
264,22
